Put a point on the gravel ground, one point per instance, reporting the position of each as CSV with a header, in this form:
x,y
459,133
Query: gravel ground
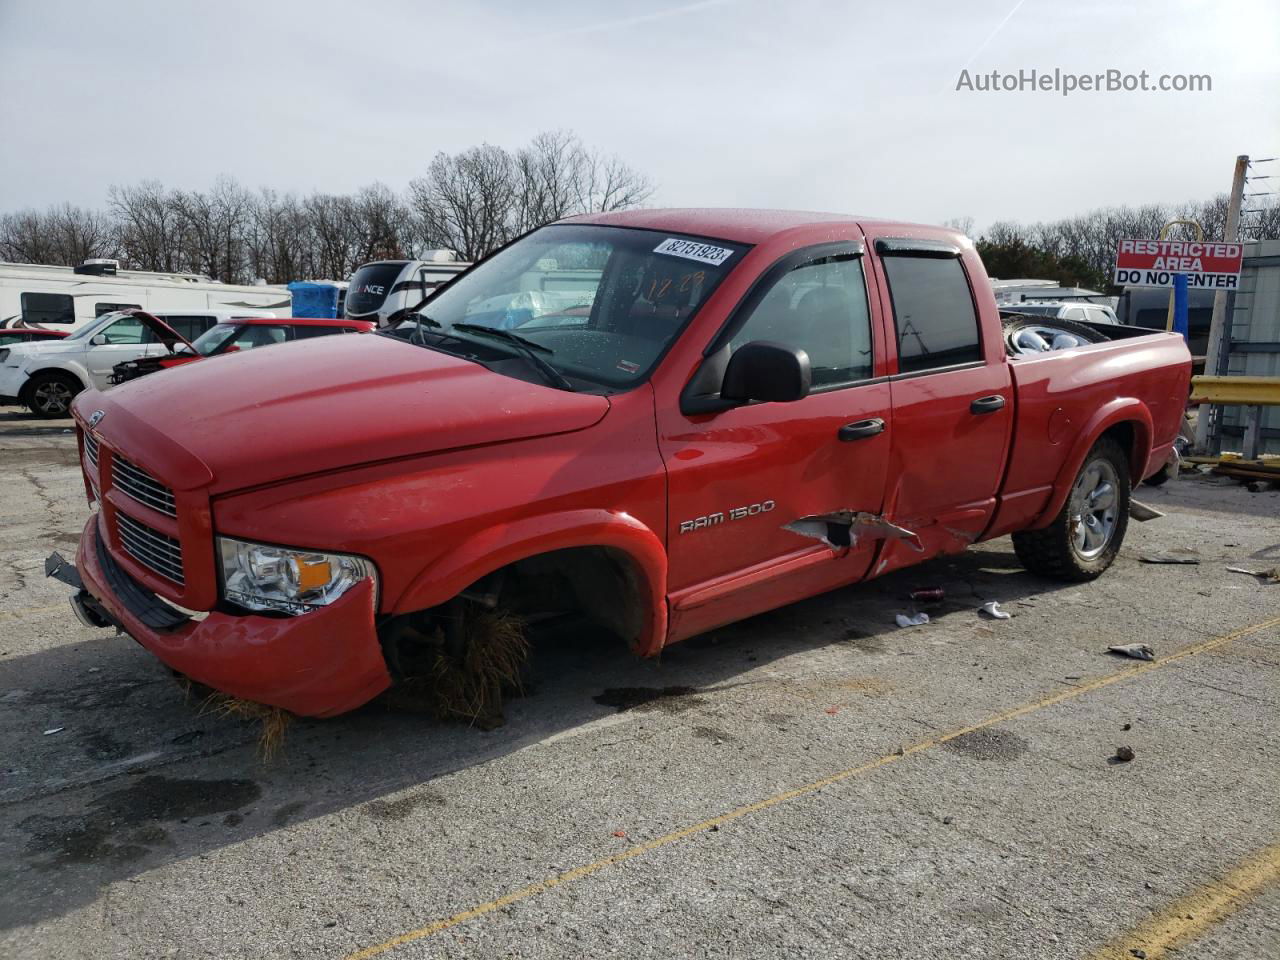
x,y
144,828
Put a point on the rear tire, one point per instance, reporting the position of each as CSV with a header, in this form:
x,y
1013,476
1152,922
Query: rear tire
x,y
49,395
1085,536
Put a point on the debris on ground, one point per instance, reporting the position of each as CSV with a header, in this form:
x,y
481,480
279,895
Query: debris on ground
x,y
48,733
1266,576
915,620
470,687
275,720
1142,513
1138,651
929,595
1124,754
1169,558
992,611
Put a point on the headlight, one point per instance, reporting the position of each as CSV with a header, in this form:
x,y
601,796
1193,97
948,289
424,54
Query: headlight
x,y
261,577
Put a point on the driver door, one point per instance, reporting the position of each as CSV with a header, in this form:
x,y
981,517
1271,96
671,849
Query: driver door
x,y
126,339
737,478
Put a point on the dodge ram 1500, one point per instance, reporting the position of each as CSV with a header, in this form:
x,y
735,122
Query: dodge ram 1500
x,y
661,421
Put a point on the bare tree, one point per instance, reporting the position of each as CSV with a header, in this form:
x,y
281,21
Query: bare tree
x,y
25,237
381,222
149,226
65,235
212,228
467,202
608,184
550,171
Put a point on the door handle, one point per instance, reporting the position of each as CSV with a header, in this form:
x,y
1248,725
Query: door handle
x,y
987,404
861,428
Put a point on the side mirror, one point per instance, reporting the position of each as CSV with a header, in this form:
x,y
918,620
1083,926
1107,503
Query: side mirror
x,y
98,339
767,371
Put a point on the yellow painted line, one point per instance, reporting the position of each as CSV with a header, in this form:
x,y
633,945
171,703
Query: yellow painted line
x,y
1189,916
30,612
577,873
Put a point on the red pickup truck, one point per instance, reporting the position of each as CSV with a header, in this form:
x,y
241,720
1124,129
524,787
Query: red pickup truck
x,y
659,421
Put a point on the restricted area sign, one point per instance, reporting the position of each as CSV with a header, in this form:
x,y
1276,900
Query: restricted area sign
x,y
1154,263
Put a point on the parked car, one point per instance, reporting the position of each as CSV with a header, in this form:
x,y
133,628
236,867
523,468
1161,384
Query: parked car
x,y
233,336
12,335
760,406
46,376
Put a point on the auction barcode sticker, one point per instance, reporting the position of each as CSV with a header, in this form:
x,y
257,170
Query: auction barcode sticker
x,y
692,250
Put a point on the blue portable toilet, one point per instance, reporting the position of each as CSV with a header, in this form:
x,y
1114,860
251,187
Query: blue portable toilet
x,y
318,300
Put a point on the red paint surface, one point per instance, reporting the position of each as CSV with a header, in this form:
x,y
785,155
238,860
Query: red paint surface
x,y
441,471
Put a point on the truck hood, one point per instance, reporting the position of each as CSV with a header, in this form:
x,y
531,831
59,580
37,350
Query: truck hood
x,y
270,414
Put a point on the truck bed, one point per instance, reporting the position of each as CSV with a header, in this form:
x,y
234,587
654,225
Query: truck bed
x,y
1059,398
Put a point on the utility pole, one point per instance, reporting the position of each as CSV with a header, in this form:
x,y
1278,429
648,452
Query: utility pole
x,y
1218,325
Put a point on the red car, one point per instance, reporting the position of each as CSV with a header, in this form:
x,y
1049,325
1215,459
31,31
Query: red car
x,y
658,421
242,333
12,335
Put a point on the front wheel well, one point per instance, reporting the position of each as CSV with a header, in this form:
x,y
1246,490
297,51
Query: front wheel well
x,y
599,585
24,392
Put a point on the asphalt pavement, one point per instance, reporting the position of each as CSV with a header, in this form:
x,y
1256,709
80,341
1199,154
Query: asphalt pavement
x,y
813,782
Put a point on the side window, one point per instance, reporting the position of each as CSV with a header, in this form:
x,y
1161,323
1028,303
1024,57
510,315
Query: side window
x,y
48,308
821,308
1074,313
100,308
189,327
933,311
127,330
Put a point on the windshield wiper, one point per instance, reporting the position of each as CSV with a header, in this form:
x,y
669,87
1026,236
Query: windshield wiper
x,y
528,349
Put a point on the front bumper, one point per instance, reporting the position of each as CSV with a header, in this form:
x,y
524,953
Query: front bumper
x,y
319,664
11,381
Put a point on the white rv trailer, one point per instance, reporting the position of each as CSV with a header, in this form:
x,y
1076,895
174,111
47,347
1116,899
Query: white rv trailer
x,y
67,298
380,288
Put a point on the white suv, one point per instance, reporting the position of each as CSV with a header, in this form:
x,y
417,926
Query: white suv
x,y
45,377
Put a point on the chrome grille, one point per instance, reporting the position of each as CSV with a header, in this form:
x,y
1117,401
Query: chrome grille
x,y
151,548
91,448
141,486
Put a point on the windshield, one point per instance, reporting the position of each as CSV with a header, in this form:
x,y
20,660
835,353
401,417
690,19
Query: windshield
x,y
370,286
209,341
601,304
88,330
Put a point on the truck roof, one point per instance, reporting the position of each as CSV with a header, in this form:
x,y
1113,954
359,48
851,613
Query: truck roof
x,y
733,224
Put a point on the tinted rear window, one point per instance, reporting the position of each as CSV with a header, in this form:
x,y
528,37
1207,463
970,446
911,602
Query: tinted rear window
x,y
370,286
933,311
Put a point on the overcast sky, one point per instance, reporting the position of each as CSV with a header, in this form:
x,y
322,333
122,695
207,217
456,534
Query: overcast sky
x,y
810,104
